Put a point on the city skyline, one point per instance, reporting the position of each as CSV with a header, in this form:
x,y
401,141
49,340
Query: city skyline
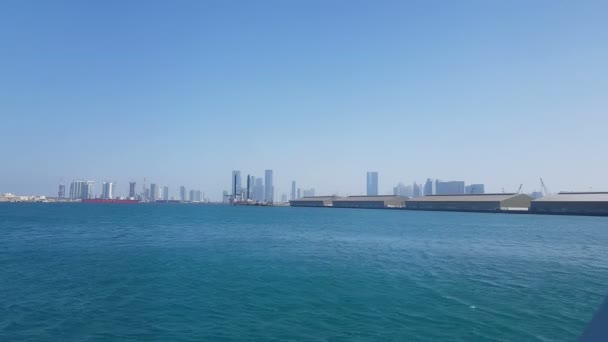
x,y
255,189
319,91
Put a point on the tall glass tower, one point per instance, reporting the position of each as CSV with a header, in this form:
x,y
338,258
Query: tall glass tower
x,y
372,183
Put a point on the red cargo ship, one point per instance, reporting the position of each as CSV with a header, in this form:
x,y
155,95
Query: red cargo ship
x,y
112,201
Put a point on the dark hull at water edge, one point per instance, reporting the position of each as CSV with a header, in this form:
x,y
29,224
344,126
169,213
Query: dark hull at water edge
x,y
111,201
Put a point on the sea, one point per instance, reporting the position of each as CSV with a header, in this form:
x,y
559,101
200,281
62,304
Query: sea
x,y
179,272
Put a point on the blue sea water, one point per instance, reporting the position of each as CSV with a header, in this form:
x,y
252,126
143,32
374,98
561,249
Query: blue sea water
x,y
78,272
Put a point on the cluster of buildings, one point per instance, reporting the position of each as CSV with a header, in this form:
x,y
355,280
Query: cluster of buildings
x,y
9,197
255,190
457,196
430,195
84,190
564,203
430,187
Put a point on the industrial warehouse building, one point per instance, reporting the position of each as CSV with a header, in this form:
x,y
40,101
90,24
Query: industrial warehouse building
x,y
470,202
370,202
572,203
315,201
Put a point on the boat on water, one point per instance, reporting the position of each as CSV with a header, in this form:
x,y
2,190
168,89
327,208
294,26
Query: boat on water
x,y
111,201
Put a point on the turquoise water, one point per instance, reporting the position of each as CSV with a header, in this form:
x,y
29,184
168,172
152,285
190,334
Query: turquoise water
x,y
77,272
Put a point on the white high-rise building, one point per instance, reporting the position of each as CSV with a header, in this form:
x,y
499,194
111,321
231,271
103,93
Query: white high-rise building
x,y
90,187
77,189
107,190
268,187
80,189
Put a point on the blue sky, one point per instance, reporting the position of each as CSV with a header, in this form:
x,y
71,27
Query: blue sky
x,y
183,92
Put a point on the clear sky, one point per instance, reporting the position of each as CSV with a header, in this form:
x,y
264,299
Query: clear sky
x,y
183,92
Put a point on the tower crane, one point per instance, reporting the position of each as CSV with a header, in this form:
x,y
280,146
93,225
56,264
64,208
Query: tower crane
x,y
544,188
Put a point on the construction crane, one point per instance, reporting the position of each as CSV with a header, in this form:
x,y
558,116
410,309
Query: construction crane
x,y
544,188
519,189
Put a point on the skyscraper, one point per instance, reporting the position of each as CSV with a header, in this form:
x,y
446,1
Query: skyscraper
x,y
78,189
309,193
268,187
61,192
88,190
449,188
107,190
236,183
428,187
249,192
474,189
417,190
192,196
293,190
402,190
258,190
153,193
182,193
132,189
299,193
165,193
372,183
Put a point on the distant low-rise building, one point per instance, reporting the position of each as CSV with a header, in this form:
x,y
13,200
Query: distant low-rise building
x,y
370,202
317,201
473,202
572,203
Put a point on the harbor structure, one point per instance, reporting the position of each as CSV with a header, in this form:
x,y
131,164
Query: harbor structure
x,y
316,201
370,202
372,183
572,203
470,202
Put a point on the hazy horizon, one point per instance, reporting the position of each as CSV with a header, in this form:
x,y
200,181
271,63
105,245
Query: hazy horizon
x,y
499,93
